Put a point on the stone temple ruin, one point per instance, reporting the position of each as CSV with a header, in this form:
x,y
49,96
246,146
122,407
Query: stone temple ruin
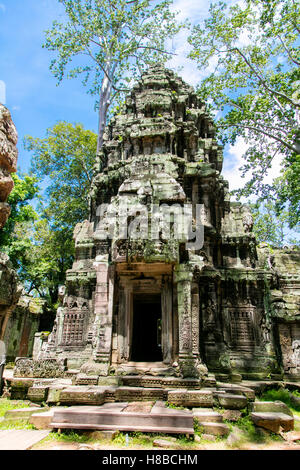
x,y
164,309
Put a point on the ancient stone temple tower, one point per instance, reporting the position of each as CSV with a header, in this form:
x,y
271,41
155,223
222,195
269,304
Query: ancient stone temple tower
x,y
161,302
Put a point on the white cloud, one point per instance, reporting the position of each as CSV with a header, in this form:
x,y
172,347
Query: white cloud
x,y
233,160
2,92
2,7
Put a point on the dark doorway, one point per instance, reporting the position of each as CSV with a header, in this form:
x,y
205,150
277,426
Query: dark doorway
x,y
146,328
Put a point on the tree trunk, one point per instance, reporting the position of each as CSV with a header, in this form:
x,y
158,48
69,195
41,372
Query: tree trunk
x,y
104,102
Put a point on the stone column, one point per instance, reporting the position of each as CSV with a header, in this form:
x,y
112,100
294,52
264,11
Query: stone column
x,y
206,201
103,315
167,323
188,319
125,323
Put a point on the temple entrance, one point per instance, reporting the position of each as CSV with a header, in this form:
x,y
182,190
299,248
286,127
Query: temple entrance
x,y
147,328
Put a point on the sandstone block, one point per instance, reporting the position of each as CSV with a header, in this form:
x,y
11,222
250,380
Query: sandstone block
x,y
195,398
42,420
231,401
271,406
273,421
23,413
216,429
203,415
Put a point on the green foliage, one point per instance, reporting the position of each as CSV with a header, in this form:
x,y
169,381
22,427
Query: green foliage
x,y
270,226
25,190
253,49
44,249
39,242
69,435
41,255
197,427
64,160
7,405
109,43
283,395
251,433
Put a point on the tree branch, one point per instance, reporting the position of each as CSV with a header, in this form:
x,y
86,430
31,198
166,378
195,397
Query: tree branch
x,y
261,131
288,51
263,82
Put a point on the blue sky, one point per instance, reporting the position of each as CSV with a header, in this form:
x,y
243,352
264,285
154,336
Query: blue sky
x,y
31,94
29,90
27,86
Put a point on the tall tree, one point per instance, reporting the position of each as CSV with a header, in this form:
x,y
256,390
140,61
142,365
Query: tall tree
x,y
271,228
24,191
253,47
64,160
114,39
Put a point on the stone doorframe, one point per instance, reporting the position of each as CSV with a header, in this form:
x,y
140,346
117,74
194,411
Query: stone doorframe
x,y
146,279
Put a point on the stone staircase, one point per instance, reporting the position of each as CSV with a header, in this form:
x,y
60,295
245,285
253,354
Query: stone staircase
x,y
273,416
122,417
210,422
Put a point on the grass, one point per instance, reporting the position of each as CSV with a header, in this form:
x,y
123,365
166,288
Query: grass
x,y
68,436
6,405
16,424
283,395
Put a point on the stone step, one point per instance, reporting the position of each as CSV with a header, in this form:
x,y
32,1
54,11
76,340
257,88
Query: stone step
x,y
23,413
192,398
150,381
216,429
271,406
203,415
42,420
89,417
237,390
231,401
273,421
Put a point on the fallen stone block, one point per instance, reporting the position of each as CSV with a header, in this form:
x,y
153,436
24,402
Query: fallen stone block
x,y
42,420
273,421
204,415
232,415
192,398
102,435
19,388
216,429
163,443
231,401
139,394
54,393
272,406
82,395
23,413
38,394
292,436
84,379
235,437
238,390
105,419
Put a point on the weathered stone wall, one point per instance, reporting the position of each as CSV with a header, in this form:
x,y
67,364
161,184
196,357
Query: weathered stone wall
x,y
22,326
10,292
285,307
8,160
